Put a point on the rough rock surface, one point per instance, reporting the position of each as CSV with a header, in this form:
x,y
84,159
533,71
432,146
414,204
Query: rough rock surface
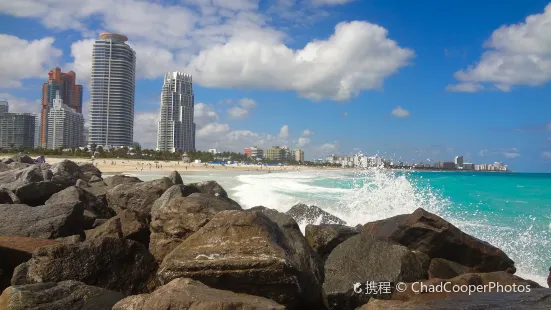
x,y
244,252
120,179
304,214
124,225
189,294
112,263
95,179
65,295
82,184
7,197
74,194
137,197
324,238
363,258
176,178
89,170
15,250
37,193
17,165
207,187
47,222
3,167
22,158
66,173
177,218
428,233
13,179
445,269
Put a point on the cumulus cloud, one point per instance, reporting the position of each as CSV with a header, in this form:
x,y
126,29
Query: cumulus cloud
x,y
145,129
302,141
307,133
243,108
204,114
518,54
21,59
400,112
284,131
511,155
17,104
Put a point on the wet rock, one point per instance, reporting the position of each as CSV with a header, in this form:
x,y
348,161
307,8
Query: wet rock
x,y
304,214
428,233
66,173
445,269
15,250
362,258
176,178
65,295
89,171
207,187
47,222
178,218
73,194
189,294
8,197
244,252
124,225
324,238
120,179
116,264
37,193
137,197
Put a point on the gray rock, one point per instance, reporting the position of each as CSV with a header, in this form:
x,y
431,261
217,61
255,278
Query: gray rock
x,y
137,197
65,295
178,218
176,178
82,184
37,193
116,264
206,187
445,269
95,179
89,171
89,219
17,165
47,222
47,174
363,258
326,237
22,158
3,167
97,205
244,252
189,294
13,179
124,225
8,197
66,173
175,191
98,222
312,215
120,179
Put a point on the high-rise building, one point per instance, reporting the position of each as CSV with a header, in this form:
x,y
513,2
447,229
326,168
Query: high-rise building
x,y
257,153
16,129
65,126
276,153
458,162
112,91
70,93
299,155
176,130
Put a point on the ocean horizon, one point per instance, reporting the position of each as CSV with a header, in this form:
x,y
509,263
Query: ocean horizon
x,y
509,210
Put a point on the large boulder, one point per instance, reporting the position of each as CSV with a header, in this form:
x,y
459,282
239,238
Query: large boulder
x,y
7,197
73,194
3,167
137,197
120,179
88,171
179,217
176,178
22,158
175,191
189,294
445,269
37,193
324,238
116,264
15,250
124,225
362,258
428,233
66,173
47,222
244,252
207,187
304,214
18,165
65,295
13,179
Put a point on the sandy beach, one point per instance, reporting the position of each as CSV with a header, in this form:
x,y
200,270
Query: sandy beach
x,y
112,166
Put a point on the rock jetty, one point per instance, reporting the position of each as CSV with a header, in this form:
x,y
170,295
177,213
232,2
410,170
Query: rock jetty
x,y
71,239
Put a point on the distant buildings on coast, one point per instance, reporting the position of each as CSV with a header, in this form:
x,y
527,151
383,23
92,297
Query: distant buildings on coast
x,y
274,153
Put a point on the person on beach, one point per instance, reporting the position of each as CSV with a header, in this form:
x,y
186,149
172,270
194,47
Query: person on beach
x,y
40,160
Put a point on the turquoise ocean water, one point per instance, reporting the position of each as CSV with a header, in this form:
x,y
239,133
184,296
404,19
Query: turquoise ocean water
x,y
509,210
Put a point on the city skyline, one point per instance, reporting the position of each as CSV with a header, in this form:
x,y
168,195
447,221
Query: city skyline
x,y
404,88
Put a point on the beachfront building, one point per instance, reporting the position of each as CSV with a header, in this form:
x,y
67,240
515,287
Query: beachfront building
x,y
458,162
247,151
112,91
448,165
65,126
257,153
69,91
299,155
16,129
468,166
276,153
175,130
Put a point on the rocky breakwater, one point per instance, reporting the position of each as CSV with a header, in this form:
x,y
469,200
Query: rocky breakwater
x,y
121,243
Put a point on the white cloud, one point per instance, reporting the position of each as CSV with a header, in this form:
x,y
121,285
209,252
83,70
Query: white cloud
x,y
329,147
243,109
247,103
307,133
145,129
465,87
21,105
518,54
302,141
511,155
284,131
400,112
22,59
212,129
546,155
204,114
238,113
330,2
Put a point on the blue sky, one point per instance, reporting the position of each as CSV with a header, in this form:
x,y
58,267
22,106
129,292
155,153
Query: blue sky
x,y
415,80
